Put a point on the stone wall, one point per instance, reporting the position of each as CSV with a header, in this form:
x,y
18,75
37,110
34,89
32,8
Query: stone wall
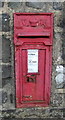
x,y
56,108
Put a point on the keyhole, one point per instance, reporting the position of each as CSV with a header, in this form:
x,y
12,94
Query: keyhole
x,y
27,79
30,79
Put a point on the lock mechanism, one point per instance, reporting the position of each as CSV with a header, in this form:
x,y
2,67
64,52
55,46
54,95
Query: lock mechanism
x,y
31,78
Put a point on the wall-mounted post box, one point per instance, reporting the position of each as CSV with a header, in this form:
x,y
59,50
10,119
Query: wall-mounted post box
x,y
33,34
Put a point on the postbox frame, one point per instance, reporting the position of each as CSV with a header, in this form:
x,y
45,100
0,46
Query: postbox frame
x,y
18,48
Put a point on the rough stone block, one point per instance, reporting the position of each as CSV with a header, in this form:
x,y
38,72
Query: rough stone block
x,y
6,49
6,71
58,100
0,76
0,48
14,5
0,22
6,81
60,78
0,97
11,98
64,113
63,52
4,97
57,5
48,6
37,5
5,22
1,4
61,22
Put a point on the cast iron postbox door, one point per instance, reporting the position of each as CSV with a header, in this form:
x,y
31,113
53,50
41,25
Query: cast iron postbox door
x,y
33,59
33,74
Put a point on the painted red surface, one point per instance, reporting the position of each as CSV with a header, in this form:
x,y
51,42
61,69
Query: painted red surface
x,y
33,31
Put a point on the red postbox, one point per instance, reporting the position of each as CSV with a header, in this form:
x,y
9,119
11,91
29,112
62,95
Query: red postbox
x,y
33,35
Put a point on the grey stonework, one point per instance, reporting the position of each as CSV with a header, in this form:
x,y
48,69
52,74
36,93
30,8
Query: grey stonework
x,y
6,51
39,113
0,48
56,108
6,81
4,97
5,22
14,5
1,4
63,43
57,5
37,5
0,24
6,71
0,97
